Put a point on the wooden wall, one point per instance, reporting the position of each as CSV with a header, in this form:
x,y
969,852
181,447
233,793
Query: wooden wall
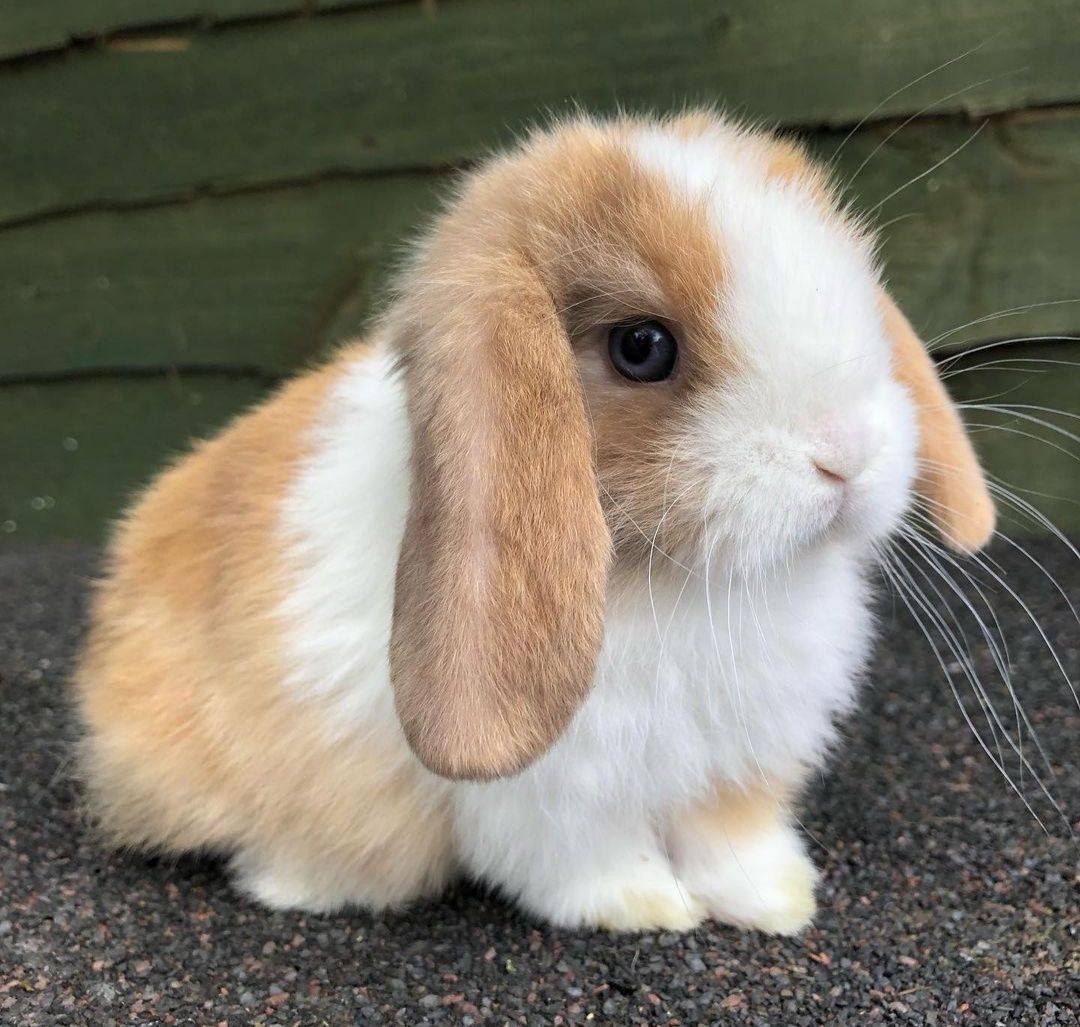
x,y
198,196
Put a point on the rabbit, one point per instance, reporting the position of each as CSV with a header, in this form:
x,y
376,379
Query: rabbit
x,y
559,579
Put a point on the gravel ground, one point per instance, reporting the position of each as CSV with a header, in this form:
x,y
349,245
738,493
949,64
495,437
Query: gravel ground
x,y
943,901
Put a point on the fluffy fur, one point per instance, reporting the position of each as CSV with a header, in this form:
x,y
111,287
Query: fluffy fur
x,y
465,600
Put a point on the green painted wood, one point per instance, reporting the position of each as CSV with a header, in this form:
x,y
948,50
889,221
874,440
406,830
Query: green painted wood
x,y
406,85
253,281
266,279
73,454
31,26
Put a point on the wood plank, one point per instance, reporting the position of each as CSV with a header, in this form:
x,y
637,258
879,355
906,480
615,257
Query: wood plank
x,y
253,281
32,26
406,86
266,279
73,453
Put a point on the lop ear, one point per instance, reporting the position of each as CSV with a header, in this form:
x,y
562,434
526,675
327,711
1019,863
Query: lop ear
x,y
949,478
501,581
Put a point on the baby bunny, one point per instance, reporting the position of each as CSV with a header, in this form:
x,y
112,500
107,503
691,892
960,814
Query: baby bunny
x,y
559,579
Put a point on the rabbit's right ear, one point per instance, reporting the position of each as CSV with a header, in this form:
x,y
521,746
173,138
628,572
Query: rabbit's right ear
x,y
502,576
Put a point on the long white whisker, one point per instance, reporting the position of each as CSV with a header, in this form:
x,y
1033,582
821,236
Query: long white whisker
x,y
999,653
957,644
1003,491
641,531
896,92
929,171
908,601
1050,648
1009,429
995,316
653,548
1008,364
1011,407
913,117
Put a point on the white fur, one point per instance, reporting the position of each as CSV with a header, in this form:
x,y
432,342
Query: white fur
x,y
734,672
763,879
344,517
676,705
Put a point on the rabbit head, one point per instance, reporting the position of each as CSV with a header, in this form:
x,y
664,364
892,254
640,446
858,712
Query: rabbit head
x,y
631,335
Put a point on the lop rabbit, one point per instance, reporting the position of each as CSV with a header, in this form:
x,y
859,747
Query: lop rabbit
x,y
559,579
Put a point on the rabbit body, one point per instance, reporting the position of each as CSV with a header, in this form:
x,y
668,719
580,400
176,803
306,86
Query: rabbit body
x,y
261,722
481,597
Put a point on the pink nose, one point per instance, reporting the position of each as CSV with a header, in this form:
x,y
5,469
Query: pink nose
x,y
839,451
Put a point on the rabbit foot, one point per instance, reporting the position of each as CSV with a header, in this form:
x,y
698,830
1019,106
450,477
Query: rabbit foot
x,y
765,883
645,897
739,855
637,909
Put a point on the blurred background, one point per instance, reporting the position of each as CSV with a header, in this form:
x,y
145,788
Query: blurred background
x,y
197,197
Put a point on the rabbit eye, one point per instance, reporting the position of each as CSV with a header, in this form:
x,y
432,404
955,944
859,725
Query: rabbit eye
x,y
643,351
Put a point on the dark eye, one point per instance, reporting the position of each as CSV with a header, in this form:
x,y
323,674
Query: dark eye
x,y
643,351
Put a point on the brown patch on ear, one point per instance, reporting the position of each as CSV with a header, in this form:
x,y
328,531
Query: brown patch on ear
x,y
950,478
502,577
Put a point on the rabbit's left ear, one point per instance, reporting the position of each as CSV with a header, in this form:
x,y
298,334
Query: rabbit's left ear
x,y
950,478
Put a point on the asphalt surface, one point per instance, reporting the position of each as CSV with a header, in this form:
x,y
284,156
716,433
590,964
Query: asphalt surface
x,y
943,901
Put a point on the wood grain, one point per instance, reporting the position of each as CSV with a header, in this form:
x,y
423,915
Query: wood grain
x,y
406,85
268,279
31,29
254,281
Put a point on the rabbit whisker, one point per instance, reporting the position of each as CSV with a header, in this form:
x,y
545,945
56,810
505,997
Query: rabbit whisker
x,y
915,601
929,171
896,92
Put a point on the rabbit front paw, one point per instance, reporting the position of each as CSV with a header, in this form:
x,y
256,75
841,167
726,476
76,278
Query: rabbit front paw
x,y
621,898
765,882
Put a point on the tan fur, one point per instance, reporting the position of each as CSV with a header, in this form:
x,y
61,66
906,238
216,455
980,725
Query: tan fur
x,y
192,742
787,161
737,813
501,582
950,478
503,573
499,605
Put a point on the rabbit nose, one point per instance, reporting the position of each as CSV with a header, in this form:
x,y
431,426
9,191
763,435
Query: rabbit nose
x,y
839,451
